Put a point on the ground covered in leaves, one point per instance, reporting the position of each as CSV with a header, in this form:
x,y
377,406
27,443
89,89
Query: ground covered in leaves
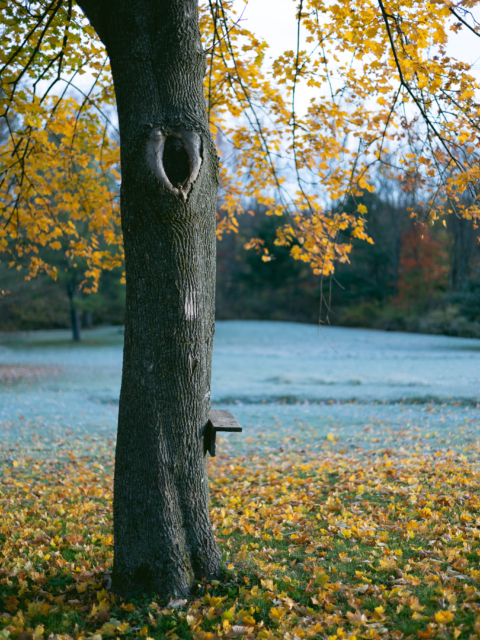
x,y
318,543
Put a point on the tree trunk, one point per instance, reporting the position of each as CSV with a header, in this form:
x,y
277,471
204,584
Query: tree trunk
x,y
163,535
87,320
396,251
461,252
74,313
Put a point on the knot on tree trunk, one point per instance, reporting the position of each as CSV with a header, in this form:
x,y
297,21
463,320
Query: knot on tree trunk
x,y
175,159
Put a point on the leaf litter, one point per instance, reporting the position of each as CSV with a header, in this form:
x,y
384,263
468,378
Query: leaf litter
x,y
317,543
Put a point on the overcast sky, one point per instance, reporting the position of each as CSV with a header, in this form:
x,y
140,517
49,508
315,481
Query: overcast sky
x,y
274,21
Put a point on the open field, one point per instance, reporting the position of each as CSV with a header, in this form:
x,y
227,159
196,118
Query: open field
x,y
281,380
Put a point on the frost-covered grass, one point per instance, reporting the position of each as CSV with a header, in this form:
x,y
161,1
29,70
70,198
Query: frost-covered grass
x,y
281,380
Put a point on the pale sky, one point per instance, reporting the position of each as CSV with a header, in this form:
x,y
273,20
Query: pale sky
x,y
275,22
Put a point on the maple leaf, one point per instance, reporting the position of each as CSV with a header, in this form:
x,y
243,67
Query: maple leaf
x,y
388,564
414,604
276,613
38,633
444,617
357,618
379,613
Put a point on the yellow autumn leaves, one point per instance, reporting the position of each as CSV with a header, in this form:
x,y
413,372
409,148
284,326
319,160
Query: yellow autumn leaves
x,y
385,96
58,162
307,554
59,193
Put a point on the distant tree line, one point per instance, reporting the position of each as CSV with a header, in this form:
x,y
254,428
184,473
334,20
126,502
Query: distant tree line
x,y
413,278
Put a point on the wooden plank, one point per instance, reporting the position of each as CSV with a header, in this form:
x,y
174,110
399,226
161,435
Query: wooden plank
x,y
223,420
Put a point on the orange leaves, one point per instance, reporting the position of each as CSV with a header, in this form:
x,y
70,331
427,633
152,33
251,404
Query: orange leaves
x,y
238,86
317,237
423,107
57,167
414,604
421,255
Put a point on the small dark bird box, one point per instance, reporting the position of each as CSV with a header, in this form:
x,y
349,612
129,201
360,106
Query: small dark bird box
x,y
218,420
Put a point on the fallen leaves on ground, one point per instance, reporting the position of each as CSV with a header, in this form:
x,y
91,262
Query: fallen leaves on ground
x,y
317,544
12,373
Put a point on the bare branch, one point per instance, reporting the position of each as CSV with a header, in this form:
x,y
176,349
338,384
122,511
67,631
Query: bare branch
x,y
464,22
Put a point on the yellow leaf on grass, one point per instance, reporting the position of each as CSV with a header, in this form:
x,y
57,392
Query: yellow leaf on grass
x,y
38,633
276,613
444,617
414,604
388,564
379,613
102,595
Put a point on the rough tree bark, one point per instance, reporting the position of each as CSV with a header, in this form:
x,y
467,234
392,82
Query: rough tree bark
x,y
163,536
